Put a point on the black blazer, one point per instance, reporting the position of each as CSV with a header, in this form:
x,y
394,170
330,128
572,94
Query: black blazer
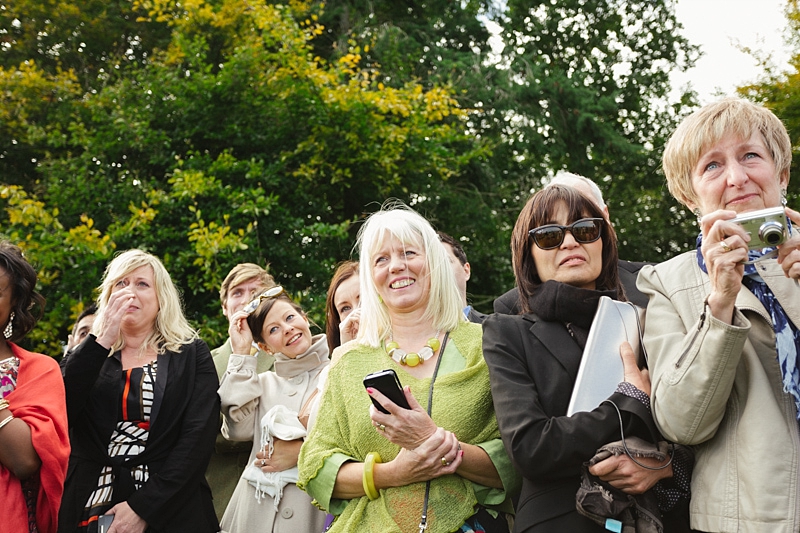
x,y
532,367
183,426
508,303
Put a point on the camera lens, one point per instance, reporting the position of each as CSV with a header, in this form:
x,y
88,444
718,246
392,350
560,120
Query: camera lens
x,y
771,233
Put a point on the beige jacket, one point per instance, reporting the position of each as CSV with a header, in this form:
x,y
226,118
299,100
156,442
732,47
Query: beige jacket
x,y
246,397
719,387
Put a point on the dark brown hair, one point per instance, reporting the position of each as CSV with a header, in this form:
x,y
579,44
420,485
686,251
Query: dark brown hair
x,y
256,319
22,280
540,210
345,271
458,250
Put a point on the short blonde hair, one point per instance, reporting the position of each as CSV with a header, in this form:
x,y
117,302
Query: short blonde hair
x,y
710,124
245,272
409,227
171,328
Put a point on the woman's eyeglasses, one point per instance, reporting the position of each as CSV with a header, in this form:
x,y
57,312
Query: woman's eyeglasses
x,y
272,292
551,236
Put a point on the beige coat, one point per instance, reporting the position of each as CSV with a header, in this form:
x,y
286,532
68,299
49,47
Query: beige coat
x,y
246,397
230,458
719,387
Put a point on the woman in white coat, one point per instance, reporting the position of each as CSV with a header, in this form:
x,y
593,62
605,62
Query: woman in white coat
x,y
272,409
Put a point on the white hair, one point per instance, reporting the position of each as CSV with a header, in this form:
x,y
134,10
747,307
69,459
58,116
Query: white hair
x,y
399,221
580,182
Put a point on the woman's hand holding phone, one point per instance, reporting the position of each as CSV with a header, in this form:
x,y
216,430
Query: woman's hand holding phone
x,y
408,428
125,520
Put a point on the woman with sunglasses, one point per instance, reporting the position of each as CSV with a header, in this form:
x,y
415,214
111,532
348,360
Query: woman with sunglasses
x,y
272,409
565,258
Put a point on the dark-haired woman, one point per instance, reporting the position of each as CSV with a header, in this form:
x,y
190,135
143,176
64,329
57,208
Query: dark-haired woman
x,y
272,409
565,259
342,311
34,445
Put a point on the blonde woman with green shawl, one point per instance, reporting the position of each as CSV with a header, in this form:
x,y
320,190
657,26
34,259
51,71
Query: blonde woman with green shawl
x,y
441,465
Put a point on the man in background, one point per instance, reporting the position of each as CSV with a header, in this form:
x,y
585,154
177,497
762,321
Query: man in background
x,y
81,328
244,283
462,271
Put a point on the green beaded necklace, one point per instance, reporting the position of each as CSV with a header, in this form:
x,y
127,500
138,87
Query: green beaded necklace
x,y
413,359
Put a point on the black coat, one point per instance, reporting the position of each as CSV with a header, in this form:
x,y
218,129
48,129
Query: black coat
x,y
508,303
532,366
183,426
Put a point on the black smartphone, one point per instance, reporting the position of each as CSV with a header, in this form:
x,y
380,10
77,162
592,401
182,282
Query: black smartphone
x,y
386,381
104,522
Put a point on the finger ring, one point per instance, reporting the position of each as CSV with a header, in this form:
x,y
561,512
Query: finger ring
x,y
263,462
381,427
445,462
725,246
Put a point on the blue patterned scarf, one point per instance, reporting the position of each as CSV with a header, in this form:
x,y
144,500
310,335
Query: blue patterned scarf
x,y
786,334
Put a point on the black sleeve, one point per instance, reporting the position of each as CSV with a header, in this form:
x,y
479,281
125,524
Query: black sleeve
x,y
542,444
171,487
80,371
508,303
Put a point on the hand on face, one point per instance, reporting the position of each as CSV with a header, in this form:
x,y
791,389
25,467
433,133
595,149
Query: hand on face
x,y
132,306
116,308
348,328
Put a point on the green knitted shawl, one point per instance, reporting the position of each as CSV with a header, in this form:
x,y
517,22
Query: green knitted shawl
x,y
462,403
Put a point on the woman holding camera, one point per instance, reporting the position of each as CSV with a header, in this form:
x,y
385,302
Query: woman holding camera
x,y
441,464
722,324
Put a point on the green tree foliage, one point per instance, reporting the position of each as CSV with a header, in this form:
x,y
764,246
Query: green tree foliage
x,y
779,90
213,132
234,143
590,89
576,85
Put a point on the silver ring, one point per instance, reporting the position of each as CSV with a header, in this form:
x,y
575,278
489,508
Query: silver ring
x,y
263,462
381,427
725,246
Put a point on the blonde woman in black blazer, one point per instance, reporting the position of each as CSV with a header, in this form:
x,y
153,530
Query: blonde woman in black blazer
x,y
145,387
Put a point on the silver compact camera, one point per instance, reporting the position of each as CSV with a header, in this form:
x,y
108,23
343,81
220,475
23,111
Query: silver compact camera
x,y
766,227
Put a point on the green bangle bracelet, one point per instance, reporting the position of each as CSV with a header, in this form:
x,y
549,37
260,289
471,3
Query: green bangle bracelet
x,y
368,480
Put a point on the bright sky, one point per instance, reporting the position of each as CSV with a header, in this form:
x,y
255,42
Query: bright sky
x,y
717,25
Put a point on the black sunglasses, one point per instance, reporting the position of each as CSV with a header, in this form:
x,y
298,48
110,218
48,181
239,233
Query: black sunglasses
x,y
551,236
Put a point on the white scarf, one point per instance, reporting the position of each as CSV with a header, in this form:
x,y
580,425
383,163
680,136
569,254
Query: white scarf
x,y
282,423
